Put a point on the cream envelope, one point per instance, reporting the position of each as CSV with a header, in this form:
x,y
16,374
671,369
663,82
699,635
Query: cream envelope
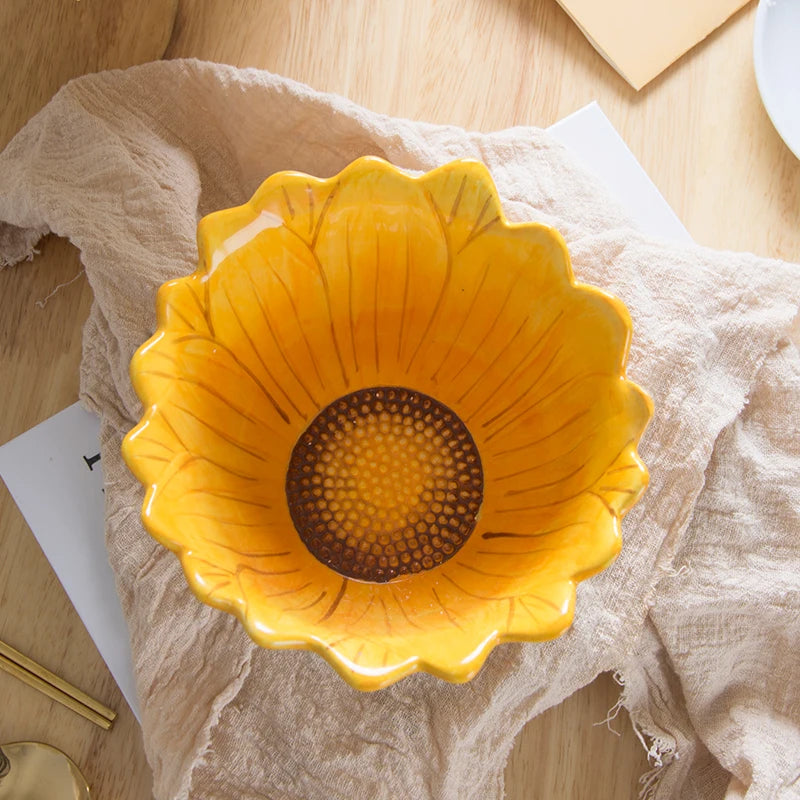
x,y
641,38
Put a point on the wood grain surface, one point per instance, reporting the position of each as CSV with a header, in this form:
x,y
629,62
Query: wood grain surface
x,y
699,130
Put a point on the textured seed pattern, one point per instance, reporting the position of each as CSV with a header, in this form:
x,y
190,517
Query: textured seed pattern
x,y
384,482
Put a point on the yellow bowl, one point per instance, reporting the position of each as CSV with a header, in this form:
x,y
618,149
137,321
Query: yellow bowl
x,y
385,424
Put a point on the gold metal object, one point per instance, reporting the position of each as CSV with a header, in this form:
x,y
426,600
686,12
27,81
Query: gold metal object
x,y
36,676
34,770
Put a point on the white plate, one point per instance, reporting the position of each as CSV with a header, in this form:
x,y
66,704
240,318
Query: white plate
x,y
776,56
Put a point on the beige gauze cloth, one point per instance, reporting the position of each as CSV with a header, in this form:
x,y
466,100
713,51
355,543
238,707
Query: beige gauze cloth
x,y
700,614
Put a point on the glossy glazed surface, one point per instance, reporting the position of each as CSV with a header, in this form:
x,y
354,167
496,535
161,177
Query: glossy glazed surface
x,y
374,280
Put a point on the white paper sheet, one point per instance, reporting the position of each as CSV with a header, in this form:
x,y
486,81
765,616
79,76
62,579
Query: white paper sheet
x,y
54,473
589,134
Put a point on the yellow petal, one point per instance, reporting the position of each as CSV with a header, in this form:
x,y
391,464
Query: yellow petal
x,y
270,305
198,503
182,306
560,448
212,405
149,448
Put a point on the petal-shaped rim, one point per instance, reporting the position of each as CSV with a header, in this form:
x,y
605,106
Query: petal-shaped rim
x,y
223,232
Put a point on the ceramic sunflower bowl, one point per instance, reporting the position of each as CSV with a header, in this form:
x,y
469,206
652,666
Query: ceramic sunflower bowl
x,y
384,424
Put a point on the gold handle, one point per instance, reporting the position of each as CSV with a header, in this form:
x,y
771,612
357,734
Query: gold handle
x,y
36,676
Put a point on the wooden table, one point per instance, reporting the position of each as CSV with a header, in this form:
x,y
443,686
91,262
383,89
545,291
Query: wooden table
x,y
699,130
